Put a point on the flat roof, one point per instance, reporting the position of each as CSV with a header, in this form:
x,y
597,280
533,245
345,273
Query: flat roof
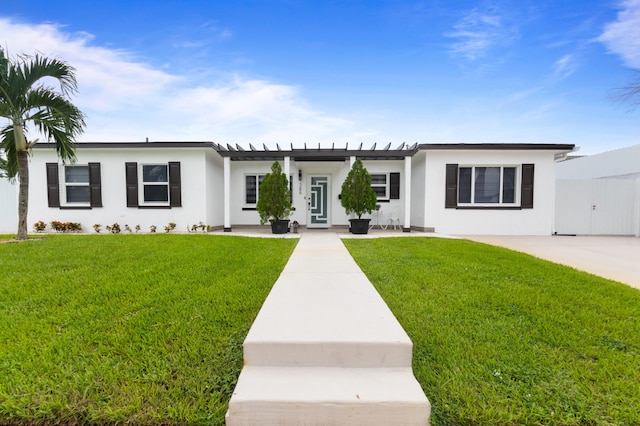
x,y
121,145
238,152
497,146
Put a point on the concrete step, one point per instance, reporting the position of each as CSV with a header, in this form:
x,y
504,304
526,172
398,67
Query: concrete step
x,y
326,320
327,396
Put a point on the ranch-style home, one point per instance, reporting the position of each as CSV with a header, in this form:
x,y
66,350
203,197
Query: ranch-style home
x,y
444,188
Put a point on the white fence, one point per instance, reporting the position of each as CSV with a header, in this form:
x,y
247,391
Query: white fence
x,y
598,207
8,207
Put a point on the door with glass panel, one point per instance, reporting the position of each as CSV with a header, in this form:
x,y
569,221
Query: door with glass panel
x,y
318,207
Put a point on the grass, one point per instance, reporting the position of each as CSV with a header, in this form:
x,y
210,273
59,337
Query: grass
x,y
503,338
142,329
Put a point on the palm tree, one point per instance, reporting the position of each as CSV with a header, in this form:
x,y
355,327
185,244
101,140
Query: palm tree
x,y
28,102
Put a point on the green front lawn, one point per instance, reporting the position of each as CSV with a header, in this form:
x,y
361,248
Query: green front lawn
x,y
501,337
141,329
149,329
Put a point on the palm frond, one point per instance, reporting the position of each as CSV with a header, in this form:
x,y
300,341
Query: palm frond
x,y
8,145
34,69
58,120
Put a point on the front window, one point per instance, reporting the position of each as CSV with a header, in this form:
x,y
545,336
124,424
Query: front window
x,y
155,183
487,185
380,186
252,188
76,182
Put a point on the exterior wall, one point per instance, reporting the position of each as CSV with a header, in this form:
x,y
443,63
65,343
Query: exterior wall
x,y
8,207
535,221
194,180
300,173
202,190
624,162
391,207
214,192
418,190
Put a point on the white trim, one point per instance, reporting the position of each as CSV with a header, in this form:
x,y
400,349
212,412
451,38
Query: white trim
x,y
386,185
141,185
227,192
287,169
62,178
244,188
407,192
516,185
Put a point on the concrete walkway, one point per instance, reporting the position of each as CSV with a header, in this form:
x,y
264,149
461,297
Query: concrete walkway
x,y
615,258
326,349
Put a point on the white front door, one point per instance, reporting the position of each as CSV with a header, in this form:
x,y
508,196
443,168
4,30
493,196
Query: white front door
x,y
318,207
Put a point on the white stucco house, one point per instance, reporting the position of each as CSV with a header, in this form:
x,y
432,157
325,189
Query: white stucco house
x,y
446,188
600,194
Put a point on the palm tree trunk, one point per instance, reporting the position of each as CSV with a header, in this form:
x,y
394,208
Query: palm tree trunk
x,y
23,194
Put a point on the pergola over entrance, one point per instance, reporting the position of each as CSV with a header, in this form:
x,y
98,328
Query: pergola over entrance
x,y
307,153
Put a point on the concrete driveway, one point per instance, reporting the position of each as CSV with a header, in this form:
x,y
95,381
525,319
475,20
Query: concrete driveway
x,y
615,258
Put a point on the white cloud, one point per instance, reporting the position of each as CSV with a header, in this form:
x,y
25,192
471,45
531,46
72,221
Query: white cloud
x,y
128,100
478,31
622,37
565,66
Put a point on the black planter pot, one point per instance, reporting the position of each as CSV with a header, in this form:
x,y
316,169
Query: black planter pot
x,y
280,226
359,226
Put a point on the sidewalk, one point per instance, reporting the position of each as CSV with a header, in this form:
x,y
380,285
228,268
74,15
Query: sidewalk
x,y
325,349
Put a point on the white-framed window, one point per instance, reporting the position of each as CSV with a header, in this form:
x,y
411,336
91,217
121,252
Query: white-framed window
x,y
152,185
74,186
487,185
380,184
252,188
75,181
155,184
252,184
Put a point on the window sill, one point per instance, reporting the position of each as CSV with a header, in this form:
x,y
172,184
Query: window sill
x,y
153,207
249,209
488,208
76,207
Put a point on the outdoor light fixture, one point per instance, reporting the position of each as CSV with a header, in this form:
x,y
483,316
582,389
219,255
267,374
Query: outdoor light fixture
x,y
299,174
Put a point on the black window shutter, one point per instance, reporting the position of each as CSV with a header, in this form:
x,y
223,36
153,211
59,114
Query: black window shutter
x,y
394,186
53,185
175,190
95,185
131,172
526,190
451,187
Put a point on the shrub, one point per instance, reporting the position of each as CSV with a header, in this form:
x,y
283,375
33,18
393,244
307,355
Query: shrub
x,y
114,229
357,195
97,227
274,202
65,226
170,227
39,226
201,226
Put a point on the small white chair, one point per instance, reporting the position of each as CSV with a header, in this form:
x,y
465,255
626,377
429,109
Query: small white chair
x,y
394,219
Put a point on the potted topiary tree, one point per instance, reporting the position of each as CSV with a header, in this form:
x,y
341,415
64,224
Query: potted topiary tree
x,y
274,200
358,197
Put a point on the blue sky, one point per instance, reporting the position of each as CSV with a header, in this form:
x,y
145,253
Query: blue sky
x,y
343,71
